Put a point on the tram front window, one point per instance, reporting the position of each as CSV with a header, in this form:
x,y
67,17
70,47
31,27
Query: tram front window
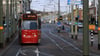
x,y
29,25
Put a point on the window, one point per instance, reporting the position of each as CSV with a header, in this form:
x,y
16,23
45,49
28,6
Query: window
x,y
29,25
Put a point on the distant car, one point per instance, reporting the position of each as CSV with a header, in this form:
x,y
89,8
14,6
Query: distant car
x,y
50,21
80,25
70,23
95,31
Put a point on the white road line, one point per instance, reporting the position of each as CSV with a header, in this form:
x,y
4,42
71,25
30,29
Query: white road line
x,y
38,52
46,54
54,42
18,52
66,41
70,43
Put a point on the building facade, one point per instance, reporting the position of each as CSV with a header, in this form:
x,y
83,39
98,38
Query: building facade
x,y
26,5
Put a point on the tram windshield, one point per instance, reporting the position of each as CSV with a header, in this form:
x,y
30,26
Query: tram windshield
x,y
29,25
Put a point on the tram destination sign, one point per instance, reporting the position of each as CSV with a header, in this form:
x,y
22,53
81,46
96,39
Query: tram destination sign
x,y
29,17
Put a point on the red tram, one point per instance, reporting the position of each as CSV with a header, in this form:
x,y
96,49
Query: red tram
x,y
30,29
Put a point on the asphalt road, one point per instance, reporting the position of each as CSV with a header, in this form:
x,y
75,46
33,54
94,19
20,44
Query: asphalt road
x,y
52,44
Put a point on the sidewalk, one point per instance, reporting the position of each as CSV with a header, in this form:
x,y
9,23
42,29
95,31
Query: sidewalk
x,y
8,44
93,49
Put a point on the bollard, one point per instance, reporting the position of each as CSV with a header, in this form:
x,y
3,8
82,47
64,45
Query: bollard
x,y
72,36
76,37
72,32
76,33
92,39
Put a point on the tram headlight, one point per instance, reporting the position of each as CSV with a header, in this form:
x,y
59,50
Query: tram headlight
x,y
24,35
35,35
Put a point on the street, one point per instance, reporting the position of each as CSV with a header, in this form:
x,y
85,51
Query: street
x,y
49,28
52,44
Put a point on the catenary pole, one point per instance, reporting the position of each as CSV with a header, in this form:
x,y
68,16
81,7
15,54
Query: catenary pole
x,y
2,42
72,20
86,28
99,24
58,8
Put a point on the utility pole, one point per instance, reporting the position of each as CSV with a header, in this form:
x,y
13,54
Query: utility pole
x,y
58,9
43,10
7,18
14,22
16,15
76,22
30,4
96,10
99,25
2,42
13,14
10,19
86,28
69,13
72,20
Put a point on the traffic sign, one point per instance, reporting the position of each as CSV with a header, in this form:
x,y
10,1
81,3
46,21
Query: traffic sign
x,y
76,2
1,27
58,23
99,28
92,27
76,23
68,2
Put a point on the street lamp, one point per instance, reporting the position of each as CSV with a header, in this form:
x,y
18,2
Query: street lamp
x,y
58,8
30,3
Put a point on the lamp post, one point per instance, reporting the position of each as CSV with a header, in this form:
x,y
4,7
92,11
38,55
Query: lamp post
x,y
30,4
99,25
58,8
86,28
11,17
43,9
2,42
7,19
72,20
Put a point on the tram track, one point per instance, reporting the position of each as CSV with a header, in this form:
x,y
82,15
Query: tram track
x,y
61,44
71,43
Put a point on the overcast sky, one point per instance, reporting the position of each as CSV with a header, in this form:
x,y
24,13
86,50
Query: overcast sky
x,y
49,5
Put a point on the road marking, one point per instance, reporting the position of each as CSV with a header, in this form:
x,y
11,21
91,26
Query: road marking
x,y
18,52
71,44
1,54
37,52
22,52
65,41
46,54
54,42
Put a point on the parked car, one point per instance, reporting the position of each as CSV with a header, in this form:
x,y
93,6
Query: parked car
x,y
80,25
96,30
70,23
